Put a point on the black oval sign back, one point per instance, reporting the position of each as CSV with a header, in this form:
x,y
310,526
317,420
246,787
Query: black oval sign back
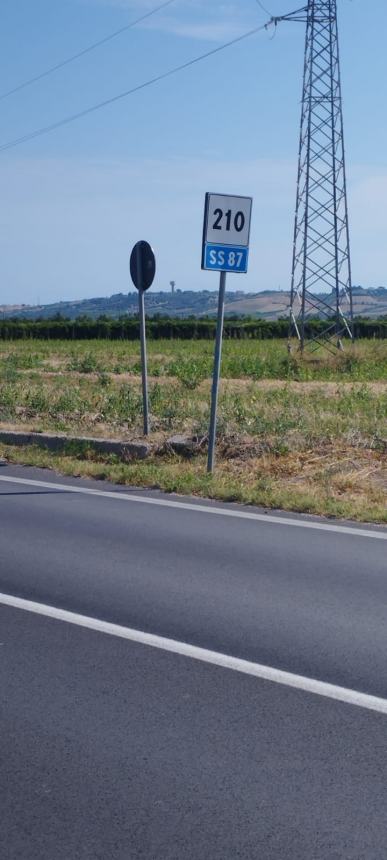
x,y
142,265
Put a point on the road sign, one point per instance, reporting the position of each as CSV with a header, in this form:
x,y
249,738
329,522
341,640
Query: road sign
x,y
142,270
226,233
142,266
220,258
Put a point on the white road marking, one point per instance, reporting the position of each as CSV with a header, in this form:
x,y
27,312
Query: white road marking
x,y
224,661
202,509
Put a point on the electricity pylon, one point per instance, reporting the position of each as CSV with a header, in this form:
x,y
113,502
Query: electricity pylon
x,y
321,272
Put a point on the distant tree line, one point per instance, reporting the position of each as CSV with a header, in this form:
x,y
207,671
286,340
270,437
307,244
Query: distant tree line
x,y
127,328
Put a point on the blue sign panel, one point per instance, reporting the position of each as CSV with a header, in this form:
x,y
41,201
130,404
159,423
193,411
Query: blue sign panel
x,y
225,258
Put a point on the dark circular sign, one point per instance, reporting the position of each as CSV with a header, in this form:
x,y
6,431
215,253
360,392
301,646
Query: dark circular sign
x,y
142,265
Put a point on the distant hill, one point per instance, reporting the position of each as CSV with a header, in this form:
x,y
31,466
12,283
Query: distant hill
x,y
269,304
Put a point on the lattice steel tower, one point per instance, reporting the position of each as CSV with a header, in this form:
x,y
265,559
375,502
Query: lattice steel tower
x,y
321,273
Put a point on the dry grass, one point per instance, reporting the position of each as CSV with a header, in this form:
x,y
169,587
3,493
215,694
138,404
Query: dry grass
x,y
306,436
295,483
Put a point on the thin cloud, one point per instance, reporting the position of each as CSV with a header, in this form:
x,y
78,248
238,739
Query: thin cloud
x,y
219,31
192,19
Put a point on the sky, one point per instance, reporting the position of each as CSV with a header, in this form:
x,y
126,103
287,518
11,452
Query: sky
x,y
73,202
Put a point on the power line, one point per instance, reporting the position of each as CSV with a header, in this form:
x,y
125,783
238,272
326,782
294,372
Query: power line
x,y
87,50
266,11
73,117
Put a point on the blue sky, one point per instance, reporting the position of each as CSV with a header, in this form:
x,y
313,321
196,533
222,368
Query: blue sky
x,y
74,202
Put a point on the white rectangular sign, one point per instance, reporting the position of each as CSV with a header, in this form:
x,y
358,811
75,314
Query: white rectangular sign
x,y
226,233
227,220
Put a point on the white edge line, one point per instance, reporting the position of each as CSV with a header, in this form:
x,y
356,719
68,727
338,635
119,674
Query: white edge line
x,y
224,661
199,508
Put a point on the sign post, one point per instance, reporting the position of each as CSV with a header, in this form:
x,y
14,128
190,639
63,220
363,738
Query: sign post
x,y
142,270
216,373
226,234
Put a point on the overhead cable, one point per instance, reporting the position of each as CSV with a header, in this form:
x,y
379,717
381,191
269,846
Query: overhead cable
x,y
86,50
266,11
93,108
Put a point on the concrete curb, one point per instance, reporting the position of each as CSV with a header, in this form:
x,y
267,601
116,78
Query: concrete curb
x,y
57,443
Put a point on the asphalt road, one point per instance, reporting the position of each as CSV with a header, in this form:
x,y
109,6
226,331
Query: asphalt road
x,y
111,749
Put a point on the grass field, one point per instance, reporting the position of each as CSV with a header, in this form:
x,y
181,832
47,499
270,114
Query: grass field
x,y
307,435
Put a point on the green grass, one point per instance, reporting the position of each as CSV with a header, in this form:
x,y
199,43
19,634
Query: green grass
x,y
106,406
264,486
308,435
191,361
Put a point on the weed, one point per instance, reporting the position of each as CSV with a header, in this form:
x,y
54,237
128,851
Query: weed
x,y
287,405
86,363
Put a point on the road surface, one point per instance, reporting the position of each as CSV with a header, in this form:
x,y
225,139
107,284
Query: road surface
x,y
114,749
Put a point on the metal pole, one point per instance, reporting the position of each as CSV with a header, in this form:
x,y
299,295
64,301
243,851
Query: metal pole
x,y
216,374
141,313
